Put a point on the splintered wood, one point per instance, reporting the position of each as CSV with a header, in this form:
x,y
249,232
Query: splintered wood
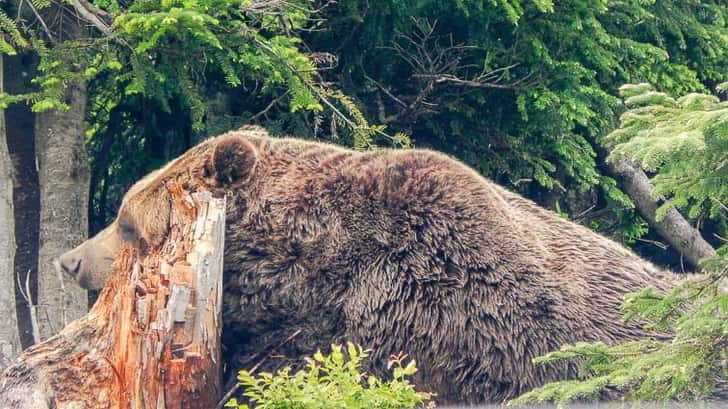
x,y
152,340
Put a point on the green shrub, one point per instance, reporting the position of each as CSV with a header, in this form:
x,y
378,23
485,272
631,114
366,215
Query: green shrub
x,y
333,381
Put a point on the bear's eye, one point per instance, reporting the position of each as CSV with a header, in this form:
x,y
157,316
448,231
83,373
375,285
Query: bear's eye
x,y
128,232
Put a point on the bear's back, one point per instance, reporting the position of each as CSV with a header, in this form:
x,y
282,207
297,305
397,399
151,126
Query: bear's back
x,y
411,250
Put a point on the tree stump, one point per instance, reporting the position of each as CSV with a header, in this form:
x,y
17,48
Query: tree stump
x,y
152,340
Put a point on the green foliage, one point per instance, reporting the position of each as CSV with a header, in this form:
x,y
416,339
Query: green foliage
x,y
683,141
514,9
10,36
686,367
367,74
333,381
544,118
169,50
226,37
57,68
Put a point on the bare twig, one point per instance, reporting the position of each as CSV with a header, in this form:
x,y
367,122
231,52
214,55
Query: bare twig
x,y
721,204
269,106
582,214
41,20
32,308
472,83
655,243
517,182
385,90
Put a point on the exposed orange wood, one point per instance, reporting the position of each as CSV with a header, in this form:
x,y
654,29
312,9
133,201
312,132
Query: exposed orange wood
x,y
151,340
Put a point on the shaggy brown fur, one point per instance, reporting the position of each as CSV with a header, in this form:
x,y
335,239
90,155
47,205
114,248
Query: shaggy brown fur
x,y
398,251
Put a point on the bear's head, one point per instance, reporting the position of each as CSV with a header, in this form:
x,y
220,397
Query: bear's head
x,y
218,165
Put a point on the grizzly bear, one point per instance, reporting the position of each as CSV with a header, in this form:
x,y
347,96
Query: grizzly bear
x,y
397,250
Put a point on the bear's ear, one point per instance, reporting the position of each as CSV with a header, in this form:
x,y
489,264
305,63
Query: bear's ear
x,y
231,162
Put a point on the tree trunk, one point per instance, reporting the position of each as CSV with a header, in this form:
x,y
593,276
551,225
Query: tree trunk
x,y
672,227
153,338
19,127
9,340
64,179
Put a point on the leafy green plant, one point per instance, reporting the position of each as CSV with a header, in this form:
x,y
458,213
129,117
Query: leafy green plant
x,y
683,141
333,381
233,38
10,36
174,51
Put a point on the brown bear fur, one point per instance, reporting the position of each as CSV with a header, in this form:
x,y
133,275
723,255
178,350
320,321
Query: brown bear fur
x,y
398,250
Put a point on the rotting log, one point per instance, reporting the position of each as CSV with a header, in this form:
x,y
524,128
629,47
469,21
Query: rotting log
x,y
152,340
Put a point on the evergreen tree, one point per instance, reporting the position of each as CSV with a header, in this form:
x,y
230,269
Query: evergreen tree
x,y
683,142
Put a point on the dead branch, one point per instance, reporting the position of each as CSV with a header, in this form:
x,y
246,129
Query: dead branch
x,y
93,15
27,296
269,106
463,82
434,60
41,21
672,226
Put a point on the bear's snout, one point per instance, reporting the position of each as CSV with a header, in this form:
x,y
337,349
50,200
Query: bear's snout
x,y
90,262
68,263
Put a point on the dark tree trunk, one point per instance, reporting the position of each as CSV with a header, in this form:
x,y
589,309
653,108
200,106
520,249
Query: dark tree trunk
x,y
26,195
63,177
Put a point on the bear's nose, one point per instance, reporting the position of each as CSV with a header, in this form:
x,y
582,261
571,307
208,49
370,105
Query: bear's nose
x,y
68,264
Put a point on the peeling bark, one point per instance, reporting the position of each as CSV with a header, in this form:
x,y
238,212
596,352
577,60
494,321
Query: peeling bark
x,y
153,338
9,340
64,179
672,227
